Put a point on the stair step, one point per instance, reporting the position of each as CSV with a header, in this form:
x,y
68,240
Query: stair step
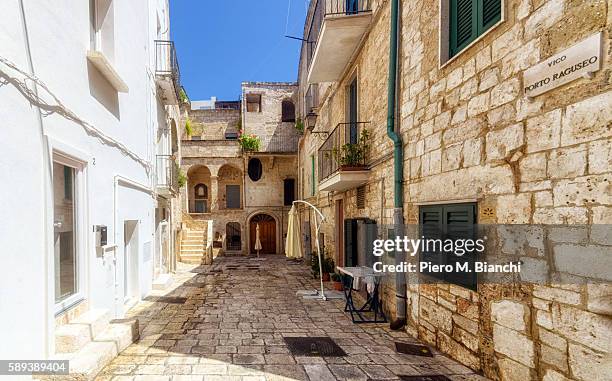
x,y
71,337
86,363
96,319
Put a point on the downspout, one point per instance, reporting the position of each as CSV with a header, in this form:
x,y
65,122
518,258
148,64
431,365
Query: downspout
x,y
398,170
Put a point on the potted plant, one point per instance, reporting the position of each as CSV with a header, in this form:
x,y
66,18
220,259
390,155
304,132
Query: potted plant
x,y
249,142
327,266
337,281
352,156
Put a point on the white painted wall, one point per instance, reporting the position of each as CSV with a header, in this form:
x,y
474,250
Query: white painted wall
x,y
58,38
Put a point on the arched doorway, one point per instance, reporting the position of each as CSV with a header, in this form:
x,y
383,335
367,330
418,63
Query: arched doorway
x,y
267,233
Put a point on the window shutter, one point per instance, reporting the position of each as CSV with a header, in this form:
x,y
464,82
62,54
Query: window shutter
x,y
459,221
232,196
431,218
489,14
463,25
350,242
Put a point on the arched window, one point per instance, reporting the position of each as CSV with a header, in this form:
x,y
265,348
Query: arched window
x,y
288,111
201,191
232,236
201,198
255,169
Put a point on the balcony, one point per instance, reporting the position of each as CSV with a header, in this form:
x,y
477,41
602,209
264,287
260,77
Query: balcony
x,y
279,144
336,29
167,74
167,175
343,157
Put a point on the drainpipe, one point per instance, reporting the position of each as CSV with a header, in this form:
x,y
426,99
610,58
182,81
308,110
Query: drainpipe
x,y
398,171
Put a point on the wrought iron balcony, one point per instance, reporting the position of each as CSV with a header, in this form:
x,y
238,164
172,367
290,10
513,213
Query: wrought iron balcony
x,y
167,73
336,28
343,157
166,175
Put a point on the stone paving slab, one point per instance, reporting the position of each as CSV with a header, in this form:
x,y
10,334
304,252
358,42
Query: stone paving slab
x,y
232,325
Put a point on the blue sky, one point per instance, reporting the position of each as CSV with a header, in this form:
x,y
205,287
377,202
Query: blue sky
x,y
223,43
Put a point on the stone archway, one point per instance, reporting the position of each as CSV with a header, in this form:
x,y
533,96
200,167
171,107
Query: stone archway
x,y
267,233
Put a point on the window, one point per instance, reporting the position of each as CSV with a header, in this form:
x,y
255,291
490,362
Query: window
x,y
288,111
312,176
231,135
289,191
102,27
360,196
352,102
453,221
255,169
65,231
469,19
232,194
200,199
232,236
253,102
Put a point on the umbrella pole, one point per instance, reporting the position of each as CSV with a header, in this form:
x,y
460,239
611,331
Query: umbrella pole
x,y
317,228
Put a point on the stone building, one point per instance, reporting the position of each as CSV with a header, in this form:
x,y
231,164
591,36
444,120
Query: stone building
x,y
476,137
231,189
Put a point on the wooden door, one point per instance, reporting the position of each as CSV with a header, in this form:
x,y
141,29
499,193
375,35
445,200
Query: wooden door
x,y
267,234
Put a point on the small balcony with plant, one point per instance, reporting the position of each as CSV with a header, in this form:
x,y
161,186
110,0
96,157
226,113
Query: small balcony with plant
x,y
167,74
335,31
343,157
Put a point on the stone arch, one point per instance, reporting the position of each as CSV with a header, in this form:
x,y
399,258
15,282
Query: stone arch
x,y
250,230
199,189
230,180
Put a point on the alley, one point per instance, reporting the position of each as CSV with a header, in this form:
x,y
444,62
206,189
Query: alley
x,y
227,321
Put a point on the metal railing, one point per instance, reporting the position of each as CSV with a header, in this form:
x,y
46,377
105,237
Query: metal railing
x,y
281,143
324,8
344,140
166,172
166,62
199,206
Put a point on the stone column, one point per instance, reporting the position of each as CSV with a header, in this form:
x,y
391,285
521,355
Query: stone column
x,y
214,193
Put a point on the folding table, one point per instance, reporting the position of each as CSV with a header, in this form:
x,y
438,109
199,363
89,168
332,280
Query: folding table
x,y
352,279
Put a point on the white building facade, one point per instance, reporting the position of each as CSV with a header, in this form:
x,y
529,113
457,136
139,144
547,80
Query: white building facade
x,y
89,98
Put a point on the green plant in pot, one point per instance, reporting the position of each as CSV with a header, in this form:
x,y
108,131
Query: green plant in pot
x,y
327,266
337,281
352,156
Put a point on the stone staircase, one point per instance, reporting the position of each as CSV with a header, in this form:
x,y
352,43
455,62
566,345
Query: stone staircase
x,y
193,246
91,341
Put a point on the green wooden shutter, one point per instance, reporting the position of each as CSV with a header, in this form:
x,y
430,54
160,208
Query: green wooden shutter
x,y
470,19
312,176
459,220
489,14
431,227
463,25
350,242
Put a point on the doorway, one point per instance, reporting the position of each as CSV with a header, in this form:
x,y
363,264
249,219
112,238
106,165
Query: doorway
x,y
130,261
339,222
267,233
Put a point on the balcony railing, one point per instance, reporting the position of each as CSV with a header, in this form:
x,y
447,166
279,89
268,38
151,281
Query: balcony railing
x,y
343,148
167,173
166,64
324,8
311,99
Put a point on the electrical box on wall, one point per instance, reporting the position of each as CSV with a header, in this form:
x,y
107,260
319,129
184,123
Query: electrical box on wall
x,y
101,235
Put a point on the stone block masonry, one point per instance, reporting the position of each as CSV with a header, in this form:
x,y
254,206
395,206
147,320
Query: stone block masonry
x,y
470,134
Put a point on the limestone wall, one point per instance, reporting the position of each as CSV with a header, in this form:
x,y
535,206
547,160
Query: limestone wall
x,y
469,134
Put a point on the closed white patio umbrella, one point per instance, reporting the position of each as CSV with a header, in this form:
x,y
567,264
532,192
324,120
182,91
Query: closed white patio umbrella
x,y
257,240
293,246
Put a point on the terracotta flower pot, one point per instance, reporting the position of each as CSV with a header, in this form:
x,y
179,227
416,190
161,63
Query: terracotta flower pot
x,y
338,286
325,277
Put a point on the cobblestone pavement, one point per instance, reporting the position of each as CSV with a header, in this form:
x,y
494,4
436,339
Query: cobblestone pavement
x,y
232,325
